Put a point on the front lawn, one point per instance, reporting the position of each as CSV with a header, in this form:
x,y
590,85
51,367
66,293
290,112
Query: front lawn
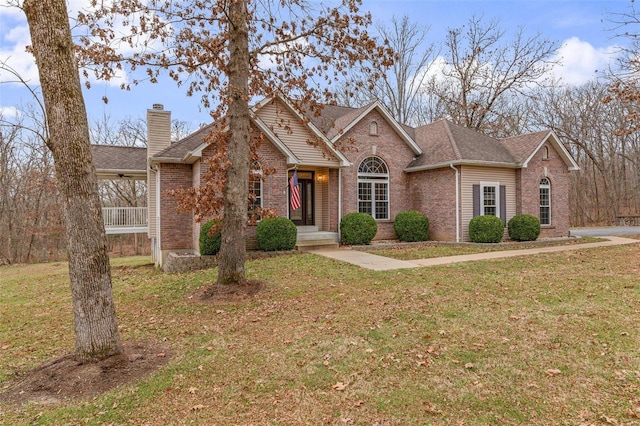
x,y
549,339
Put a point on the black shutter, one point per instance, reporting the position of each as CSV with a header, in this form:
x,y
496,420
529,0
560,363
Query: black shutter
x,y
476,200
503,203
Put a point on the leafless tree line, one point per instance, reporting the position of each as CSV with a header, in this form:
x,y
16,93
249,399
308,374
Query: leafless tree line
x,y
480,77
498,83
31,228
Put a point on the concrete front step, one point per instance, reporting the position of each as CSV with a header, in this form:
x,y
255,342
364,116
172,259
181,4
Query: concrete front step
x,y
309,240
306,229
320,235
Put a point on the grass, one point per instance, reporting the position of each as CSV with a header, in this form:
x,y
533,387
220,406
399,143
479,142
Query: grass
x,y
329,343
430,250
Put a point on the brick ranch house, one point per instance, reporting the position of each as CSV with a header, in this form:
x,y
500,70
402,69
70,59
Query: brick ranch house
x,y
446,171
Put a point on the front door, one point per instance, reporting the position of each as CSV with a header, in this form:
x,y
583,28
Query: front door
x,y
303,215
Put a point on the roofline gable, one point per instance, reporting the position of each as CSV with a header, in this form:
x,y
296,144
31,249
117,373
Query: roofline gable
x,y
564,154
389,118
192,156
307,122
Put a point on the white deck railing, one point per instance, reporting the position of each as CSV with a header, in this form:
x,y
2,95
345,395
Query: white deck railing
x,y
125,220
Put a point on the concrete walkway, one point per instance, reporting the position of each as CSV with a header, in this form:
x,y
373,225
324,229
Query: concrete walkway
x,y
380,263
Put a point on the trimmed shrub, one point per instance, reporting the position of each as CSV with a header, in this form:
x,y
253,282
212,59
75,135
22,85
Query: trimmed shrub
x,y
524,227
411,226
358,228
486,229
276,233
210,241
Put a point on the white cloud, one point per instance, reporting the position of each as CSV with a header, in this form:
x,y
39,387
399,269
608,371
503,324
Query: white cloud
x,y
9,112
580,62
13,53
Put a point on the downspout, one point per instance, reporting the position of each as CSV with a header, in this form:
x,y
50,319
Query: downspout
x,y
158,192
457,203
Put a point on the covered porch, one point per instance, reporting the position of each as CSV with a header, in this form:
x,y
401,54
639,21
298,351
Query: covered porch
x,y
122,212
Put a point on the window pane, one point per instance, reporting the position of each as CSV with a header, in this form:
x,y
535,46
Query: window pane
x,y
364,197
545,216
381,192
489,200
255,191
382,210
545,203
364,207
364,191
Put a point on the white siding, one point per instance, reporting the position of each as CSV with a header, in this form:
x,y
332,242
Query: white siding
x,y
472,175
295,135
158,138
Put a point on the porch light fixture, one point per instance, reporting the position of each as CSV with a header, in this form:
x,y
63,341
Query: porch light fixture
x,y
321,178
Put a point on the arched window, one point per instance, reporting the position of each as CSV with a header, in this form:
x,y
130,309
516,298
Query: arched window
x,y
373,128
545,202
373,188
545,152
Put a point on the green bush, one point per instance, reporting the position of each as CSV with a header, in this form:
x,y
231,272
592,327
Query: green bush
x,y
358,228
411,226
486,229
276,233
210,241
524,227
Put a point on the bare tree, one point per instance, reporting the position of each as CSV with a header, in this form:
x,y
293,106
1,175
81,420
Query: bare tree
x,y
96,328
607,184
401,87
234,51
29,205
485,72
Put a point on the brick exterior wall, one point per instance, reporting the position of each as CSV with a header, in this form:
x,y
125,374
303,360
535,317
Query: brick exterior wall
x,y
334,220
394,152
274,185
175,228
528,198
434,193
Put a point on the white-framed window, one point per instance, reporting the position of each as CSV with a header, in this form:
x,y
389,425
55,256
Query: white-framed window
x,y
255,189
373,188
545,201
490,198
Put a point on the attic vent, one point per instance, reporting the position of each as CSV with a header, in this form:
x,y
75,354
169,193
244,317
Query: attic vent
x,y
158,107
373,128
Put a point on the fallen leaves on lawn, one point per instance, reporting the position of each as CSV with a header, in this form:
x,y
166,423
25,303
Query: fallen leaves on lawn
x,y
553,372
339,386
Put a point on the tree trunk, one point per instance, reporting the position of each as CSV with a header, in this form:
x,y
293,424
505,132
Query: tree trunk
x,y
234,222
96,328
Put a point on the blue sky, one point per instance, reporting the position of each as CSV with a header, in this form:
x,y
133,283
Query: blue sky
x,y
582,27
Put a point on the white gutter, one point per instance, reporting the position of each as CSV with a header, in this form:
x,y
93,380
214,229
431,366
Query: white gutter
x,y
457,203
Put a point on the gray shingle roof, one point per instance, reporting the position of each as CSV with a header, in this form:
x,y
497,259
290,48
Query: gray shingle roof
x,y
522,146
119,158
442,142
177,150
445,142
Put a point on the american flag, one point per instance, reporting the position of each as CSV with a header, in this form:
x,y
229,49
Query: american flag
x,y
295,191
